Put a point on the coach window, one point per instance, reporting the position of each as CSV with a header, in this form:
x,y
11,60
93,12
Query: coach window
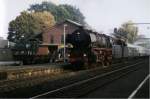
x,y
52,39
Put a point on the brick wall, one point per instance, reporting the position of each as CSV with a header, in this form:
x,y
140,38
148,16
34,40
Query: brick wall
x,y
56,33
42,50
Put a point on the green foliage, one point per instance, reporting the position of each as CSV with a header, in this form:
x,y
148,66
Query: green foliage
x,y
60,12
28,47
44,19
74,13
22,26
23,29
127,31
29,24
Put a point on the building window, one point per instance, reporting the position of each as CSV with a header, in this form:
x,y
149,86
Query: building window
x,y
52,39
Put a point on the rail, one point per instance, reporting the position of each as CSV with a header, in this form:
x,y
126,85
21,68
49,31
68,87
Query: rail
x,y
74,85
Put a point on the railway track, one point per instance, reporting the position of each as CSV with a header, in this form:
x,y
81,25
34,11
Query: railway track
x,y
10,87
81,88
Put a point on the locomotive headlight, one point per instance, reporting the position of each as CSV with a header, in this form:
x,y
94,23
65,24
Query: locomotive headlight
x,y
100,52
84,55
68,55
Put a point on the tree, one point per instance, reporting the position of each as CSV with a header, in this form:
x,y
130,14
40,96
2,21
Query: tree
x,y
74,13
127,31
60,12
45,20
28,24
23,29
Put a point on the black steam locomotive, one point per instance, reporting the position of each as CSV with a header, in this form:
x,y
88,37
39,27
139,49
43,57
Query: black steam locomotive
x,y
89,47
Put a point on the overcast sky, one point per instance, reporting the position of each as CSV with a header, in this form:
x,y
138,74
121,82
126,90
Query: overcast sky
x,y
102,15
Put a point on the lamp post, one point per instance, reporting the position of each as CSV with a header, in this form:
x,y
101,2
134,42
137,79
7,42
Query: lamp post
x,y
65,25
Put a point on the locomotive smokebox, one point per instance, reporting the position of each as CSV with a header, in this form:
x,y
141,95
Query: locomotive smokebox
x,y
79,38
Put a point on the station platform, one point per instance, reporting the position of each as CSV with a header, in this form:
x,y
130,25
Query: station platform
x,y
19,72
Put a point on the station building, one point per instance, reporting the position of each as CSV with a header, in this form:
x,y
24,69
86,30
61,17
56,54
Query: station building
x,y
53,39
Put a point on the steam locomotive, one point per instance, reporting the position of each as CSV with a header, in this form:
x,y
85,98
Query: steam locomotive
x,y
88,47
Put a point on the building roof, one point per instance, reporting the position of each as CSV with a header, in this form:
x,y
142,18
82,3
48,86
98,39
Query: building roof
x,y
133,45
68,21
145,42
73,22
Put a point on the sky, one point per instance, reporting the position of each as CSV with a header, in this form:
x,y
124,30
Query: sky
x,y
102,15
